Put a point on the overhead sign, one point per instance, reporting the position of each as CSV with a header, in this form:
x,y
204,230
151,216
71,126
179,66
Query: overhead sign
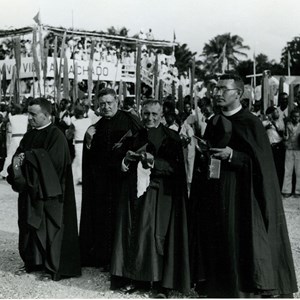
x,y
101,70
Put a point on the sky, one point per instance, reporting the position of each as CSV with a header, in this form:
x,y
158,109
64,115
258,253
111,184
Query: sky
x,y
265,25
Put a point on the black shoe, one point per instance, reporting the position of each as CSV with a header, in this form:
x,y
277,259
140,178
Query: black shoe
x,y
117,283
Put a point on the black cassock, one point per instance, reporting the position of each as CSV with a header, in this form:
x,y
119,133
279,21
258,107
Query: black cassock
x,y
48,232
101,179
243,243
151,242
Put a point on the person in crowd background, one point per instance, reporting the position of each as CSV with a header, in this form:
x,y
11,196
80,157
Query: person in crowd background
x,y
18,123
292,155
275,128
76,132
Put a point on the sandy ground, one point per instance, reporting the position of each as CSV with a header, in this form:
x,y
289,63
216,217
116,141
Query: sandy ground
x,y
92,283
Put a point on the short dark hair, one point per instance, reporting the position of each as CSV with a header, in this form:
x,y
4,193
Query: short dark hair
x,y
237,79
270,110
107,91
151,102
128,101
43,103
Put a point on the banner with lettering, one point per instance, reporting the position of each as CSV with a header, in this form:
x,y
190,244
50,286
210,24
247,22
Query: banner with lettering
x,y
103,71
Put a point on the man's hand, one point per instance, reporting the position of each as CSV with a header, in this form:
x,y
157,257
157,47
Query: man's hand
x,y
130,157
89,135
147,160
221,153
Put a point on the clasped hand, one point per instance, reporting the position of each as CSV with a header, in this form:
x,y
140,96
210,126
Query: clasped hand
x,y
144,157
221,153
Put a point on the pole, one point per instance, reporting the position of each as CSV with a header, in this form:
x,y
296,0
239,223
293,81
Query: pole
x,y
138,77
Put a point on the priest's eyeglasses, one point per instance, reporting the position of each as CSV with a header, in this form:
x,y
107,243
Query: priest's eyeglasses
x,y
222,90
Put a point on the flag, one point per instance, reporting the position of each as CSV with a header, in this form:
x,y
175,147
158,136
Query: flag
x,y
138,77
3,80
174,36
289,63
265,95
37,18
90,71
160,90
224,60
62,53
66,83
192,76
155,74
56,76
75,82
36,60
12,84
17,52
45,64
0,87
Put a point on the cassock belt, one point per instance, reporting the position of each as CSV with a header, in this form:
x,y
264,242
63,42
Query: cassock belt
x,y
78,142
17,134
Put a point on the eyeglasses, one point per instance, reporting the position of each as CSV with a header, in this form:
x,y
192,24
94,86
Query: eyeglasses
x,y
221,89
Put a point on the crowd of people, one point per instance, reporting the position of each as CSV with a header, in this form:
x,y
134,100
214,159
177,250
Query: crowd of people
x,y
172,198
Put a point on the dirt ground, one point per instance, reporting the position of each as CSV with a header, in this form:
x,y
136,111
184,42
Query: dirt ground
x,y
92,283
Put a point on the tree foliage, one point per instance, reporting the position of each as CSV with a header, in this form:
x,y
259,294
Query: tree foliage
x,y
263,63
213,52
294,48
184,59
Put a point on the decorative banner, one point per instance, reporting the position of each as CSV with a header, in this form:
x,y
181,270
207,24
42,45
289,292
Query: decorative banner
x,y
105,71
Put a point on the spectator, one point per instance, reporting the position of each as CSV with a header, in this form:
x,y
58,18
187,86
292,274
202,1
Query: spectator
x,y
292,155
275,129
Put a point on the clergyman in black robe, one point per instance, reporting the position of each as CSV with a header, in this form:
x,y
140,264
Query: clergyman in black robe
x,y
245,244
41,173
151,242
101,179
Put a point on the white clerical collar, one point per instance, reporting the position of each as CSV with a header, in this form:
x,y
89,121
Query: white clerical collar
x,y
232,112
40,128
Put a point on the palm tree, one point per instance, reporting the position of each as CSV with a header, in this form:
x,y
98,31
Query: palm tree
x,y
222,47
184,58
